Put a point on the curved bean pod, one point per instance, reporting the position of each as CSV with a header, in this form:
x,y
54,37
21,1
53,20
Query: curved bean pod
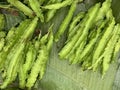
x,y
50,14
27,11
75,20
17,66
66,21
36,8
58,5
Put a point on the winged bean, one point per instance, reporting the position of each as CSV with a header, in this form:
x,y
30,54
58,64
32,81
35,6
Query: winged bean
x,y
58,5
27,11
65,22
50,14
36,8
75,20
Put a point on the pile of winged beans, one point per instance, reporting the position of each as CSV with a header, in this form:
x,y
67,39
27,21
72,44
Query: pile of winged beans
x,y
93,39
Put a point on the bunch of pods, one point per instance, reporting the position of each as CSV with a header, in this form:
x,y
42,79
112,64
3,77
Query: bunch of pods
x,y
23,56
93,39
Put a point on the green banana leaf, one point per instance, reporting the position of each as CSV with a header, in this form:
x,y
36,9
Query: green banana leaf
x,y
60,75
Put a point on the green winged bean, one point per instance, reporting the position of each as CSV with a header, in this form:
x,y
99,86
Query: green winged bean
x,y
15,70
27,11
65,22
30,29
110,48
36,8
58,5
50,14
75,20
